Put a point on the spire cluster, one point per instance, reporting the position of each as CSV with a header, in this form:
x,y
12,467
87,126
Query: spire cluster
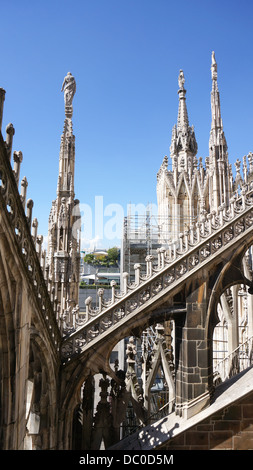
x,y
190,188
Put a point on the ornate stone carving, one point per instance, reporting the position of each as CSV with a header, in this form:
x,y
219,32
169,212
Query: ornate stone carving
x,y
69,88
181,79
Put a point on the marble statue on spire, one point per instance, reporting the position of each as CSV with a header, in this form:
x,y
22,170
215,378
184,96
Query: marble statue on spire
x,y
69,88
214,67
181,79
63,259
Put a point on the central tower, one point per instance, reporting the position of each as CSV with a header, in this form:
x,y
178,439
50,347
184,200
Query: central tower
x,y
183,147
177,198
63,261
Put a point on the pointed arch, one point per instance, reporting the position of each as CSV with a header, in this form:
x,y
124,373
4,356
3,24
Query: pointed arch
x,y
41,397
183,204
7,356
195,198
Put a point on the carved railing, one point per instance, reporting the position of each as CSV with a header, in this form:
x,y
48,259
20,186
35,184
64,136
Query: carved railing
x,y
20,223
204,241
240,359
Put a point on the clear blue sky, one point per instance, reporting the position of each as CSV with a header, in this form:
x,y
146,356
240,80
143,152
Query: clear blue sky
x,y
125,56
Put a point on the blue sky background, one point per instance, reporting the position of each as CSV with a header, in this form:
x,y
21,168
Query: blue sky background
x,y
125,56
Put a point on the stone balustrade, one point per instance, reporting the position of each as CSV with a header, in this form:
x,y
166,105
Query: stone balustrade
x,y
195,247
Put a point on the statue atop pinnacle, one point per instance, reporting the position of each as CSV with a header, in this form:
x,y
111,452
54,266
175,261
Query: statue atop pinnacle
x,y
69,88
181,80
214,67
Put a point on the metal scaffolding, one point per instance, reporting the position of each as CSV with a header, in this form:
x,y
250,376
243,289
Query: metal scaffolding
x,y
143,235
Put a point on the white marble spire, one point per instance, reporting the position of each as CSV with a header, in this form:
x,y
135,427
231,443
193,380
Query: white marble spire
x,y
63,239
182,118
218,151
215,97
183,142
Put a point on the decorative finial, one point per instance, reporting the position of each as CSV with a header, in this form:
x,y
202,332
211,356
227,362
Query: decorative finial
x,y
69,87
214,67
181,80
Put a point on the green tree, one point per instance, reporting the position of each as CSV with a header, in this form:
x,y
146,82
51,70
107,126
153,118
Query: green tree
x,y
113,255
89,258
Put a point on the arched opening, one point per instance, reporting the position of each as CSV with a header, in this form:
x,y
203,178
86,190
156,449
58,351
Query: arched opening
x,y
6,383
232,336
77,428
7,360
39,410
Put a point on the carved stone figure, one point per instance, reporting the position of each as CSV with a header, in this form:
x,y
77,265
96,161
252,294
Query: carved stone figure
x,y
69,88
214,67
181,79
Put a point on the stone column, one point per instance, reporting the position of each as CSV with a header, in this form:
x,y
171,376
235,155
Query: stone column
x,y
100,296
23,191
2,98
29,206
34,229
193,363
137,269
18,158
125,279
10,131
113,284
88,404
